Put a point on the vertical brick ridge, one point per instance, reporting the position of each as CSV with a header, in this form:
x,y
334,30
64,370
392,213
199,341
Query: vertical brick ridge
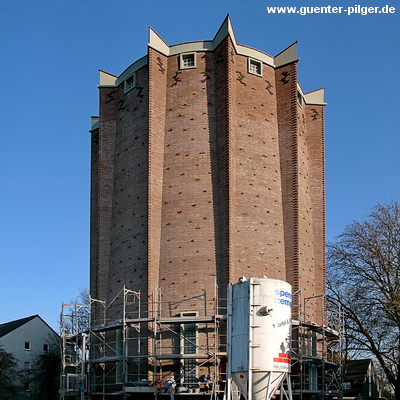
x,y
324,202
150,265
94,212
286,97
295,175
105,179
100,294
220,167
320,270
230,137
156,131
99,215
316,145
323,266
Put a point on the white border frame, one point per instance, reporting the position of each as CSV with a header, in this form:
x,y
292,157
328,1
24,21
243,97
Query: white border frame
x,y
128,87
254,61
186,54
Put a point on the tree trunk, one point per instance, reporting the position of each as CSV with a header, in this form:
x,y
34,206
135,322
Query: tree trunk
x,y
397,389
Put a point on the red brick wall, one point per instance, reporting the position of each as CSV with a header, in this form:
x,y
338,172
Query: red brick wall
x,y
103,144
94,215
315,132
158,72
286,92
119,191
259,243
129,247
303,192
204,175
187,262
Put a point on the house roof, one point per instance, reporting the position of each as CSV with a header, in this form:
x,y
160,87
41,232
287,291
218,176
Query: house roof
x,y
357,370
12,325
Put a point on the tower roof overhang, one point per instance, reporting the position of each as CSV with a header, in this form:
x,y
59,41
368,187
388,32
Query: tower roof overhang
x,y
157,43
286,56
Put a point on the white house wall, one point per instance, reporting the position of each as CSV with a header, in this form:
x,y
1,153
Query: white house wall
x,y
36,332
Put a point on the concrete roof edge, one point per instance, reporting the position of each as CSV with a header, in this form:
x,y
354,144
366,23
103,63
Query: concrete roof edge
x,y
316,97
157,42
95,122
107,79
286,56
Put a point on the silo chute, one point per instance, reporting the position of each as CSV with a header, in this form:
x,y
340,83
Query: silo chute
x,y
259,335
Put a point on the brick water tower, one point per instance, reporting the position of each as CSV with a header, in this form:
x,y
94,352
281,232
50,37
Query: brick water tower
x,y
207,166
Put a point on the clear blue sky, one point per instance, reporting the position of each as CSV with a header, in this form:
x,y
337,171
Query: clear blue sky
x,y
50,55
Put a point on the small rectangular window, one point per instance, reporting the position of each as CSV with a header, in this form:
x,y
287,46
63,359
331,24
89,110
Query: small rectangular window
x,y
27,386
45,348
27,345
255,67
187,60
129,83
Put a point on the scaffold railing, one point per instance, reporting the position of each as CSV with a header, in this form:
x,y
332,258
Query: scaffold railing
x,y
317,349
131,346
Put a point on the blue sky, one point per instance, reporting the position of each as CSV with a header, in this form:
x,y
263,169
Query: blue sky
x,y
50,55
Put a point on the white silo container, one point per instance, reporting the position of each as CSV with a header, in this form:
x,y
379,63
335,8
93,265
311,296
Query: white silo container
x,y
259,334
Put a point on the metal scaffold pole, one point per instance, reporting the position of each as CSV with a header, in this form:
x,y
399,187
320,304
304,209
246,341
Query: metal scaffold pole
x,y
74,321
131,348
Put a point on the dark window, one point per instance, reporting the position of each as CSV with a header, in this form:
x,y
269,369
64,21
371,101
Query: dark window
x,y
255,67
188,60
130,83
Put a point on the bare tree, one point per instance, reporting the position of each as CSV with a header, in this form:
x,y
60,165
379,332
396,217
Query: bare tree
x,y
9,376
364,278
76,314
83,311
46,374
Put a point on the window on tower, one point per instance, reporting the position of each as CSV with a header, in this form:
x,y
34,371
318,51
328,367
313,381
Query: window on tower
x,y
187,60
129,83
255,67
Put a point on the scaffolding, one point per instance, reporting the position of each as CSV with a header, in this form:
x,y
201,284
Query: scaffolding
x,y
317,349
147,348
74,321
137,347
